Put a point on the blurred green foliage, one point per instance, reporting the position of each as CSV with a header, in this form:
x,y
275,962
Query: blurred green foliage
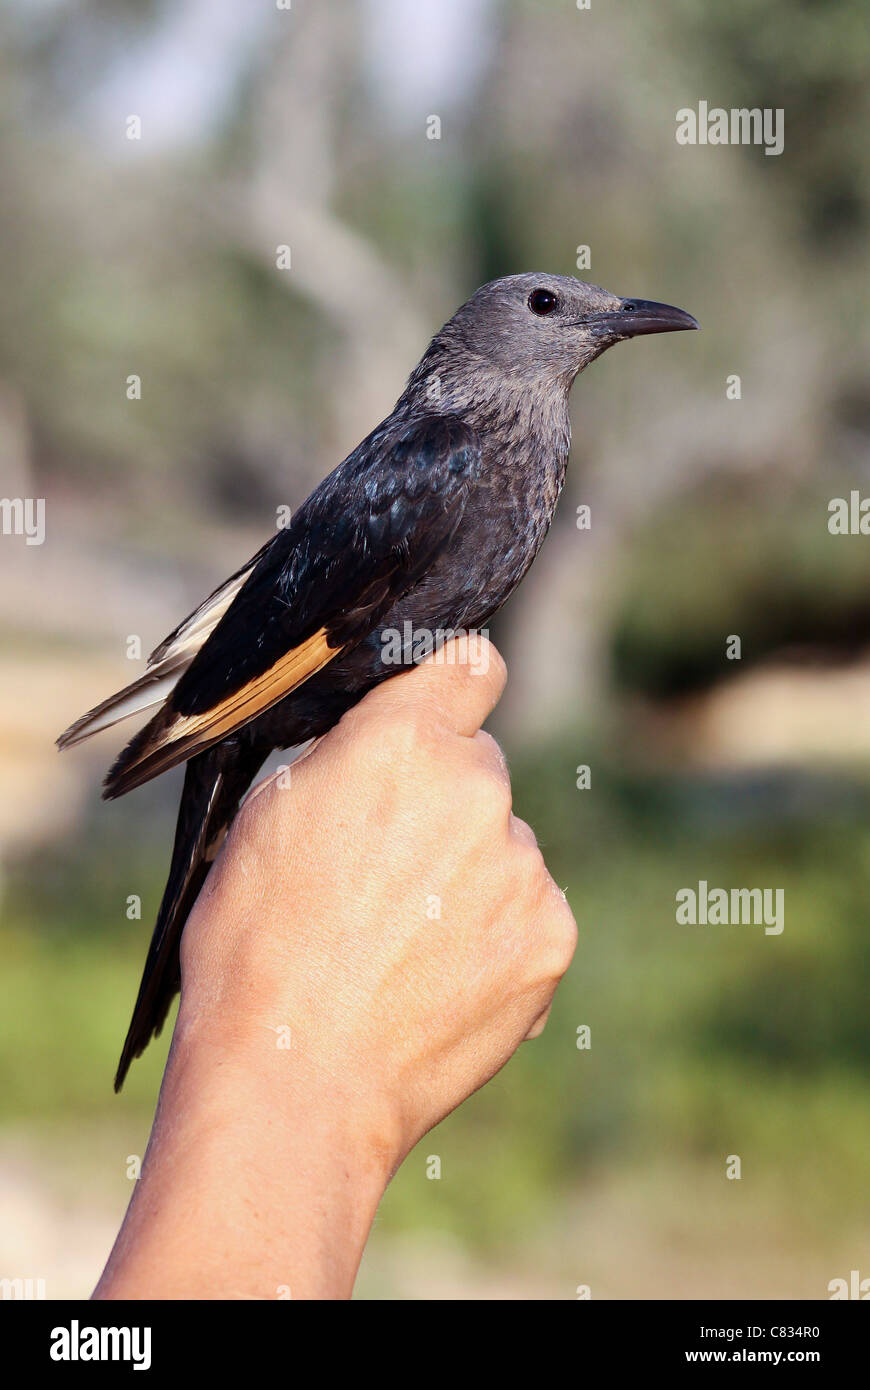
x,y
770,572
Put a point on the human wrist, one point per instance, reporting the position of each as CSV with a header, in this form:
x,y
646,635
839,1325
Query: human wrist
x,y
262,1069
261,1181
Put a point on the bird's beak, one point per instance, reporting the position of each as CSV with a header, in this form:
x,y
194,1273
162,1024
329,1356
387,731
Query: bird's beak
x,y
637,316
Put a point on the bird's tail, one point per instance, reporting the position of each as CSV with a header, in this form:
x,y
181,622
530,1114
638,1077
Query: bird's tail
x,y
214,783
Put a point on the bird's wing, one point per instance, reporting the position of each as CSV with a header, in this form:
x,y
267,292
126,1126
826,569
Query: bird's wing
x,y
362,539
165,666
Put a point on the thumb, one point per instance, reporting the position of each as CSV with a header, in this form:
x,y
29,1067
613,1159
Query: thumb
x,y
458,686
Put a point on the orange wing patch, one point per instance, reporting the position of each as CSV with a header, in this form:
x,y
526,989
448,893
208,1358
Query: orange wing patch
x,y
288,672
181,736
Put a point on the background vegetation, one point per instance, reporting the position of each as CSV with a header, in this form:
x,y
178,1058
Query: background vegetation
x,y
308,127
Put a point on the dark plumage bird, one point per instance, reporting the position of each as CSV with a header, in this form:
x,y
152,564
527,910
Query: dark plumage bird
x,y
433,520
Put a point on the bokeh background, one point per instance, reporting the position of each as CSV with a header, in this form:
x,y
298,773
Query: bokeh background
x,y
307,127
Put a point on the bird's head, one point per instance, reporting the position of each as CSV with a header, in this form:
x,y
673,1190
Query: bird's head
x,y
540,328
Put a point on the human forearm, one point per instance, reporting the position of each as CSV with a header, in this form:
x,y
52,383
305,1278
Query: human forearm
x,y
243,1198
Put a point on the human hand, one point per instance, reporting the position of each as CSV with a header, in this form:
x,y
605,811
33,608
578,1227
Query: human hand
x,y
377,936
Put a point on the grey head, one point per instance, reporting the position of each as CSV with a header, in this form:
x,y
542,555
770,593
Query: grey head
x,y
551,326
536,332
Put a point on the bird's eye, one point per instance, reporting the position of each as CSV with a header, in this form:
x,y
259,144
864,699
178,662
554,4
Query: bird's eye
x,y
542,301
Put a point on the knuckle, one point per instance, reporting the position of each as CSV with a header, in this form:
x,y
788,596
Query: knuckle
x,y
484,739
487,795
384,742
562,942
355,733
491,754
524,835
530,861
556,926
408,735
496,664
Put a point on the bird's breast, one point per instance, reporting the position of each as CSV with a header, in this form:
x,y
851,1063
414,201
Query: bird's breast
x,y
505,521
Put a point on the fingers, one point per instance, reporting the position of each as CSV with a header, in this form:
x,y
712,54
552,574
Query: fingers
x,y
539,1025
457,687
490,756
561,942
452,691
522,831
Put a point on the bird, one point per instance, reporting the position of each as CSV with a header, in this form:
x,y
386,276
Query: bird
x,y
429,524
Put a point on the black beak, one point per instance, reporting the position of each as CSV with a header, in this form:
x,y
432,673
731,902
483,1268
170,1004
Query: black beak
x,y
637,316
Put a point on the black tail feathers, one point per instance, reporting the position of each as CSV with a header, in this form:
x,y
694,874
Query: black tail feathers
x,y
214,783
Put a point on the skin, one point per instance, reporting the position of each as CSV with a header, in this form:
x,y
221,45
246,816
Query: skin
x,y
266,1163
